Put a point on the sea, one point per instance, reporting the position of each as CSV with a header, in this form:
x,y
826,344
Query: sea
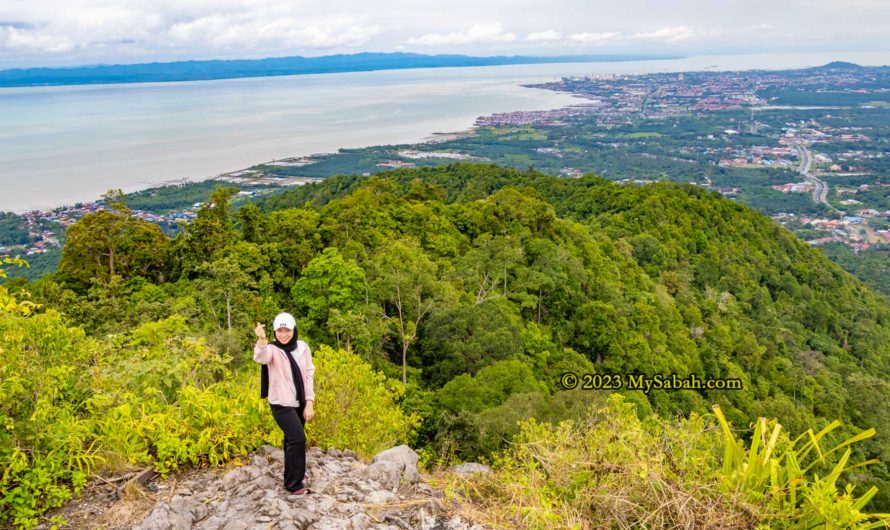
x,y
69,144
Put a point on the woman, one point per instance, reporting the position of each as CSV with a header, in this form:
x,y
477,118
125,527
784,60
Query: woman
x,y
287,380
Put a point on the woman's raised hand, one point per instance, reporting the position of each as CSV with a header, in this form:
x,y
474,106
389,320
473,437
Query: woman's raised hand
x,y
260,331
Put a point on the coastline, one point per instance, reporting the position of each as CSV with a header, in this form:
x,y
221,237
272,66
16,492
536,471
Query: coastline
x,y
519,139
197,133
226,176
143,136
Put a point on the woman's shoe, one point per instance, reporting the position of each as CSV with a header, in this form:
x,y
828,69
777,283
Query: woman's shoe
x,y
302,490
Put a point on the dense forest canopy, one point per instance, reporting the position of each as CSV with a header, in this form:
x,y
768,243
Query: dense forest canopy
x,y
477,287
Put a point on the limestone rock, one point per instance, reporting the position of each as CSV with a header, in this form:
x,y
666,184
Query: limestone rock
x,y
381,497
405,457
386,473
347,494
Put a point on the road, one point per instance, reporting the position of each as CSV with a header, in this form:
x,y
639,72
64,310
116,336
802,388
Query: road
x,y
820,188
643,105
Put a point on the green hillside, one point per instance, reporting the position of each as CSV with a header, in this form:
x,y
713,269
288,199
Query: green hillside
x,y
479,287
691,282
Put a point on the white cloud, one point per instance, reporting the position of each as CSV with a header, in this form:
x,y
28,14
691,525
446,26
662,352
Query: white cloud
x,y
244,31
476,34
544,36
49,32
754,28
33,40
595,38
199,28
670,34
57,29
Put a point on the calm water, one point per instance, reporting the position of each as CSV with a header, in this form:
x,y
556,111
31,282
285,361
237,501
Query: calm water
x,y
60,145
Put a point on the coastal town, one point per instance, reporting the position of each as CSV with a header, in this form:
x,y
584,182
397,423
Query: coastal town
x,y
43,230
746,121
43,227
802,146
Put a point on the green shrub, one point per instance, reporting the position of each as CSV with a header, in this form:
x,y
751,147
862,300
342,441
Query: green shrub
x,y
356,407
72,406
46,447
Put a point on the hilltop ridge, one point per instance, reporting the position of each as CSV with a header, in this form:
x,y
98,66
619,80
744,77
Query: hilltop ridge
x,y
445,307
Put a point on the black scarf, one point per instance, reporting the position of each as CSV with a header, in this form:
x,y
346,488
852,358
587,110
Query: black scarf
x,y
288,348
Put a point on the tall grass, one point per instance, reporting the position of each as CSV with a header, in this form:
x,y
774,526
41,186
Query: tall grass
x,y
614,470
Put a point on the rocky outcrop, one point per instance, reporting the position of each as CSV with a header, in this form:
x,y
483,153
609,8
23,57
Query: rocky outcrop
x,y
404,457
347,494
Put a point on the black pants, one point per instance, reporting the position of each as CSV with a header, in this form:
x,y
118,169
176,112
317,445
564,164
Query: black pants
x,y
291,421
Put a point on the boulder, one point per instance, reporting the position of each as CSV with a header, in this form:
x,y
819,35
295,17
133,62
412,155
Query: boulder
x,y
385,473
405,457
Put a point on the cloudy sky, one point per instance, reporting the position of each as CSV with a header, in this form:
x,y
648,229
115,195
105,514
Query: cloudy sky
x,y
51,33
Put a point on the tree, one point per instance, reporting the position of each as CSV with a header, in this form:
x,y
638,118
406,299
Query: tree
x,y
490,387
251,223
208,234
404,279
488,268
467,337
293,236
599,329
106,243
328,283
226,289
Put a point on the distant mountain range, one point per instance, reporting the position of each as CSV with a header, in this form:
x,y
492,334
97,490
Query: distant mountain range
x,y
228,69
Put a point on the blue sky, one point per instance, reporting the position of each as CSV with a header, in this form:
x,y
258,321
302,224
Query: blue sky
x,y
52,33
